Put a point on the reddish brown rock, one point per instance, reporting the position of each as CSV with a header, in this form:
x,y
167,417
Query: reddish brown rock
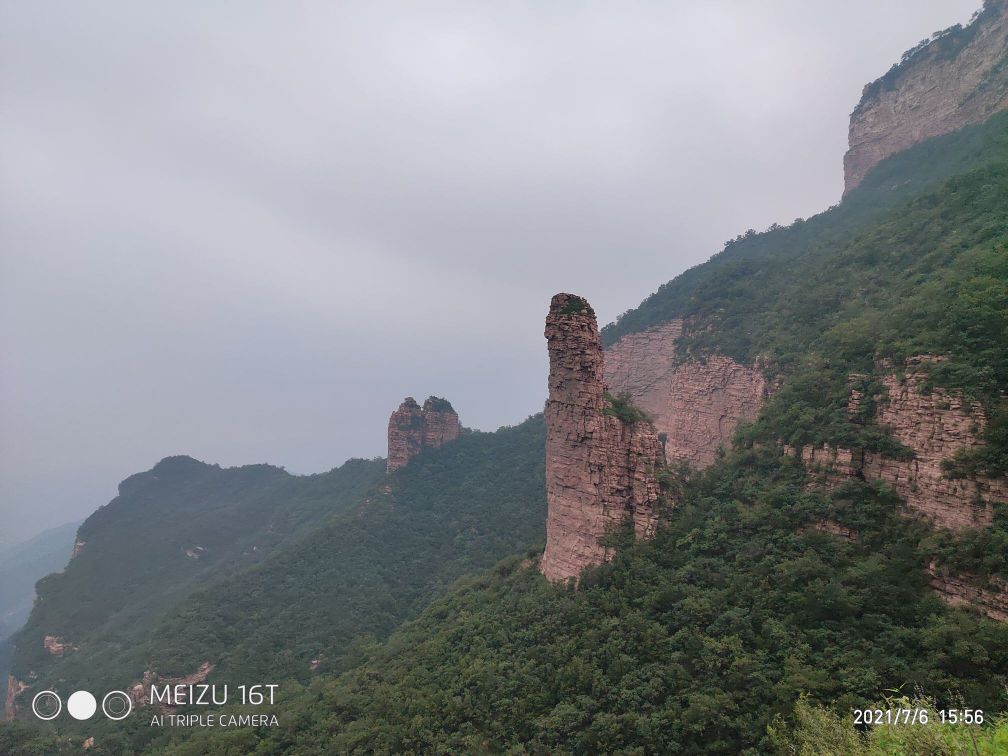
x,y
698,405
140,692
57,646
413,428
14,689
600,471
935,426
935,91
963,590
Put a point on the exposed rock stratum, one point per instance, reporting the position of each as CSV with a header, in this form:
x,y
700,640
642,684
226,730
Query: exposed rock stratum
x,y
697,404
935,425
959,78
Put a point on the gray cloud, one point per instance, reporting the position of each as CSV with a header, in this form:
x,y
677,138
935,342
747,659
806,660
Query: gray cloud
x,y
244,231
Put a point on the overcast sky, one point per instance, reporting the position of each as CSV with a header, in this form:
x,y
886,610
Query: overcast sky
x,y
245,231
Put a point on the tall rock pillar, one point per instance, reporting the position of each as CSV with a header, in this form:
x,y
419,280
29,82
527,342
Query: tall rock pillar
x,y
600,469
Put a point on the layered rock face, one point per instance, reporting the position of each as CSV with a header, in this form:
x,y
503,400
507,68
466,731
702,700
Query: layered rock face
x,y
935,426
964,590
956,80
698,405
600,470
413,428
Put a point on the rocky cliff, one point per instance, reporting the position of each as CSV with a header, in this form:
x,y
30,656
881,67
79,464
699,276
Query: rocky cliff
x,y
698,405
14,689
965,590
958,77
600,469
413,428
934,425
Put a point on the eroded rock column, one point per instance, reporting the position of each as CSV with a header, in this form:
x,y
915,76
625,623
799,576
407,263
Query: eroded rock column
x,y
600,470
413,428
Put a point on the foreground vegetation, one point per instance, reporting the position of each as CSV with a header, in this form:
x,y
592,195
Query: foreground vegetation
x,y
696,642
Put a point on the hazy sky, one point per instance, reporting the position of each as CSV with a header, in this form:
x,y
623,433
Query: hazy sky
x,y
245,231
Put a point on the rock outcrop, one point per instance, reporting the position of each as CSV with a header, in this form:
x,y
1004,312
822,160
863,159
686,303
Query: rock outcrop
x,y
959,77
964,590
57,646
78,547
935,426
14,689
140,692
413,428
698,405
600,469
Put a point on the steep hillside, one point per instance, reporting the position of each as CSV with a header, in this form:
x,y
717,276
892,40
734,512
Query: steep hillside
x,y
450,511
693,642
384,549
169,532
860,289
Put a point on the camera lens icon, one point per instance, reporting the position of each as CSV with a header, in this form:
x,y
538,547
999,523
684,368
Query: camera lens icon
x,y
117,705
47,705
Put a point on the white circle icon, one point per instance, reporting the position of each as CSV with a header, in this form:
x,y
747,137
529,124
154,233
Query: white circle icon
x,y
117,705
81,705
47,705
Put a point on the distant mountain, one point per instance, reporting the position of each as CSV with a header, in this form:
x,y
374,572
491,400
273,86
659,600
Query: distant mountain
x,y
252,573
171,531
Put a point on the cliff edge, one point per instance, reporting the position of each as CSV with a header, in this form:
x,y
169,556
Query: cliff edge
x,y
955,78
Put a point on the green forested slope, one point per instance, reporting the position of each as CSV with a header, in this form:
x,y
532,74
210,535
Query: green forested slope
x,y
134,565
450,511
376,554
746,290
888,274
691,643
